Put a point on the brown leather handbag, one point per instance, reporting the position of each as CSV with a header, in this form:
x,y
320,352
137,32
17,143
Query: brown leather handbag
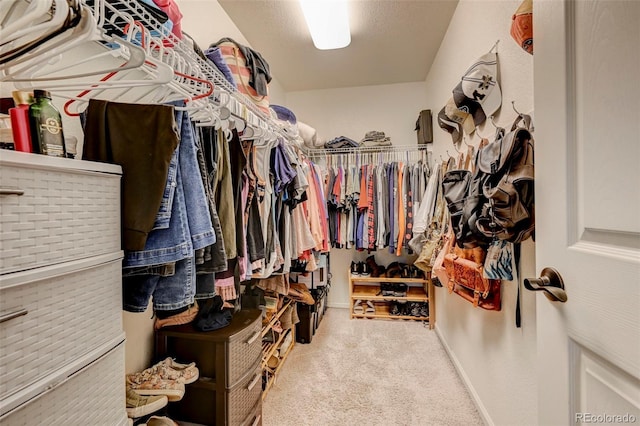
x,y
464,268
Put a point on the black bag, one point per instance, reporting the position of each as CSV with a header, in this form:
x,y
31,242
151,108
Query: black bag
x,y
424,127
497,200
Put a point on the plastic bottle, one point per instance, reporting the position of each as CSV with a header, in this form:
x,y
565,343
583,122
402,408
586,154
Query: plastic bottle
x,y
20,121
46,126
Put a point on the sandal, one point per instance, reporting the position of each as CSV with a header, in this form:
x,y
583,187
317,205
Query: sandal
x,y
370,309
357,307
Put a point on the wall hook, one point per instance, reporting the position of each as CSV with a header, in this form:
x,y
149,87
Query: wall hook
x,y
513,105
495,46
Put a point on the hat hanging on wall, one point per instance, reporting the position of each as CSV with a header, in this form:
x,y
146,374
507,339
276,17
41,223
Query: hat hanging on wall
x,y
522,26
478,93
449,126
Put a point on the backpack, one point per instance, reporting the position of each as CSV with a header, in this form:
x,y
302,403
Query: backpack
x,y
496,201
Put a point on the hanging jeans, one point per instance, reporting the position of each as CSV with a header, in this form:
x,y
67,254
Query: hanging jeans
x,y
189,229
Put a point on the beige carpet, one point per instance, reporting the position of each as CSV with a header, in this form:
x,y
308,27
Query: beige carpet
x,y
369,372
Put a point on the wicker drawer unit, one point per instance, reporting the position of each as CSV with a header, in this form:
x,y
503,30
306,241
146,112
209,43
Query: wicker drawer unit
x,y
64,400
61,337
229,360
55,209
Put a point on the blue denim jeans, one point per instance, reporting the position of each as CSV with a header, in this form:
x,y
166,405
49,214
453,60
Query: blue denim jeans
x,y
189,228
169,292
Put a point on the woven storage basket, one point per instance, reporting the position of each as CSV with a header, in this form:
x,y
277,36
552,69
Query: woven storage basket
x,y
242,355
243,397
72,307
69,209
92,396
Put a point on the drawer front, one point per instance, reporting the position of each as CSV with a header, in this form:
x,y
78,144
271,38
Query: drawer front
x,y
95,396
255,418
242,399
243,352
76,309
61,215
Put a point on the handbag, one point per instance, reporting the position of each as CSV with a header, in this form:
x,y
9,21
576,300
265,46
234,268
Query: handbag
x,y
464,267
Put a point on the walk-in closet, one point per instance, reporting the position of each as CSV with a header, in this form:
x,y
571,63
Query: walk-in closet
x,y
211,213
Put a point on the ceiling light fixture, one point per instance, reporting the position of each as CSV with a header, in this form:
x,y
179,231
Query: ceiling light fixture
x,y
328,22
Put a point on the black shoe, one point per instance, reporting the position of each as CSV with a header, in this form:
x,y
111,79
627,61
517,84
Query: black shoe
x,y
386,289
354,269
424,310
415,309
400,290
394,310
365,271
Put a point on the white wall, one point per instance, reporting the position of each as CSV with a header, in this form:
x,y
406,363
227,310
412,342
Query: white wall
x,y
352,112
496,359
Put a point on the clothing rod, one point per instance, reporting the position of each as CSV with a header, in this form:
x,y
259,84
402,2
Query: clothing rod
x,y
250,113
367,149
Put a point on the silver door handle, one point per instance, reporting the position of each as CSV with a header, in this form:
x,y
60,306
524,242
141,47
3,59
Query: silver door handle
x,y
550,282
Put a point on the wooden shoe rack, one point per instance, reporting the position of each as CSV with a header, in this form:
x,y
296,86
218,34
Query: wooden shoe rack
x,y
368,289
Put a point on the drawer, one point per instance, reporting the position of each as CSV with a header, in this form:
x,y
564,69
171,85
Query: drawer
x,y
93,395
243,351
54,210
255,417
51,316
244,397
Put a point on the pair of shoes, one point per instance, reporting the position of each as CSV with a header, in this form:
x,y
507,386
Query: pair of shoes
x,y
360,269
178,319
154,385
393,289
188,373
398,308
167,377
138,405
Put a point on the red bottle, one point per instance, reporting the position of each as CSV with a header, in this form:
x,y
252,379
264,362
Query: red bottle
x,y
20,121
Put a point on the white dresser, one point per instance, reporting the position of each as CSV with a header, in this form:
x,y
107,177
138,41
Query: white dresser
x,y
61,336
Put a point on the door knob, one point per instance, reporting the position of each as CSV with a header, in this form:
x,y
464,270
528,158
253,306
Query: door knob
x,y
550,282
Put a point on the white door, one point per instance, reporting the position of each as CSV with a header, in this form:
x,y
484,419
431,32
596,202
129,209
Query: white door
x,y
587,147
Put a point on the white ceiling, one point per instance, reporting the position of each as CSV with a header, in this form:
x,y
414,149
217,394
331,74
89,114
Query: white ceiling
x,y
392,41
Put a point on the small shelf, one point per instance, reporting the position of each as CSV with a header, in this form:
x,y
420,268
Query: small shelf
x,y
383,310
368,289
372,292
276,317
386,280
273,373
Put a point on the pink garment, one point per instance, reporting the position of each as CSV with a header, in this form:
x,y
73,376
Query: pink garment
x,y
170,7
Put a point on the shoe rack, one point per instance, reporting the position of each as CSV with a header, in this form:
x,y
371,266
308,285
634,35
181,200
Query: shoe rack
x,y
367,289
274,353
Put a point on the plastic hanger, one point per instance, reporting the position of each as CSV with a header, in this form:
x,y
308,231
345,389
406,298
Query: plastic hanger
x,y
55,17
34,10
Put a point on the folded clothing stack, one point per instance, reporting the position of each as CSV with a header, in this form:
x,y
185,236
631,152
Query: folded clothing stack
x,y
341,142
375,138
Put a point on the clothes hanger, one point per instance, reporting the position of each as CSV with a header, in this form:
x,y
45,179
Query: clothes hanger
x,y
40,26
34,10
33,62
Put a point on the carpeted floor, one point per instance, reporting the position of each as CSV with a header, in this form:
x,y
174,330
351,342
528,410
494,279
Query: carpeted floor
x,y
369,372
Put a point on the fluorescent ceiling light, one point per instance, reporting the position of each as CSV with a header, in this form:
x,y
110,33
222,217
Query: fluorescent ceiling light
x,y
328,22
